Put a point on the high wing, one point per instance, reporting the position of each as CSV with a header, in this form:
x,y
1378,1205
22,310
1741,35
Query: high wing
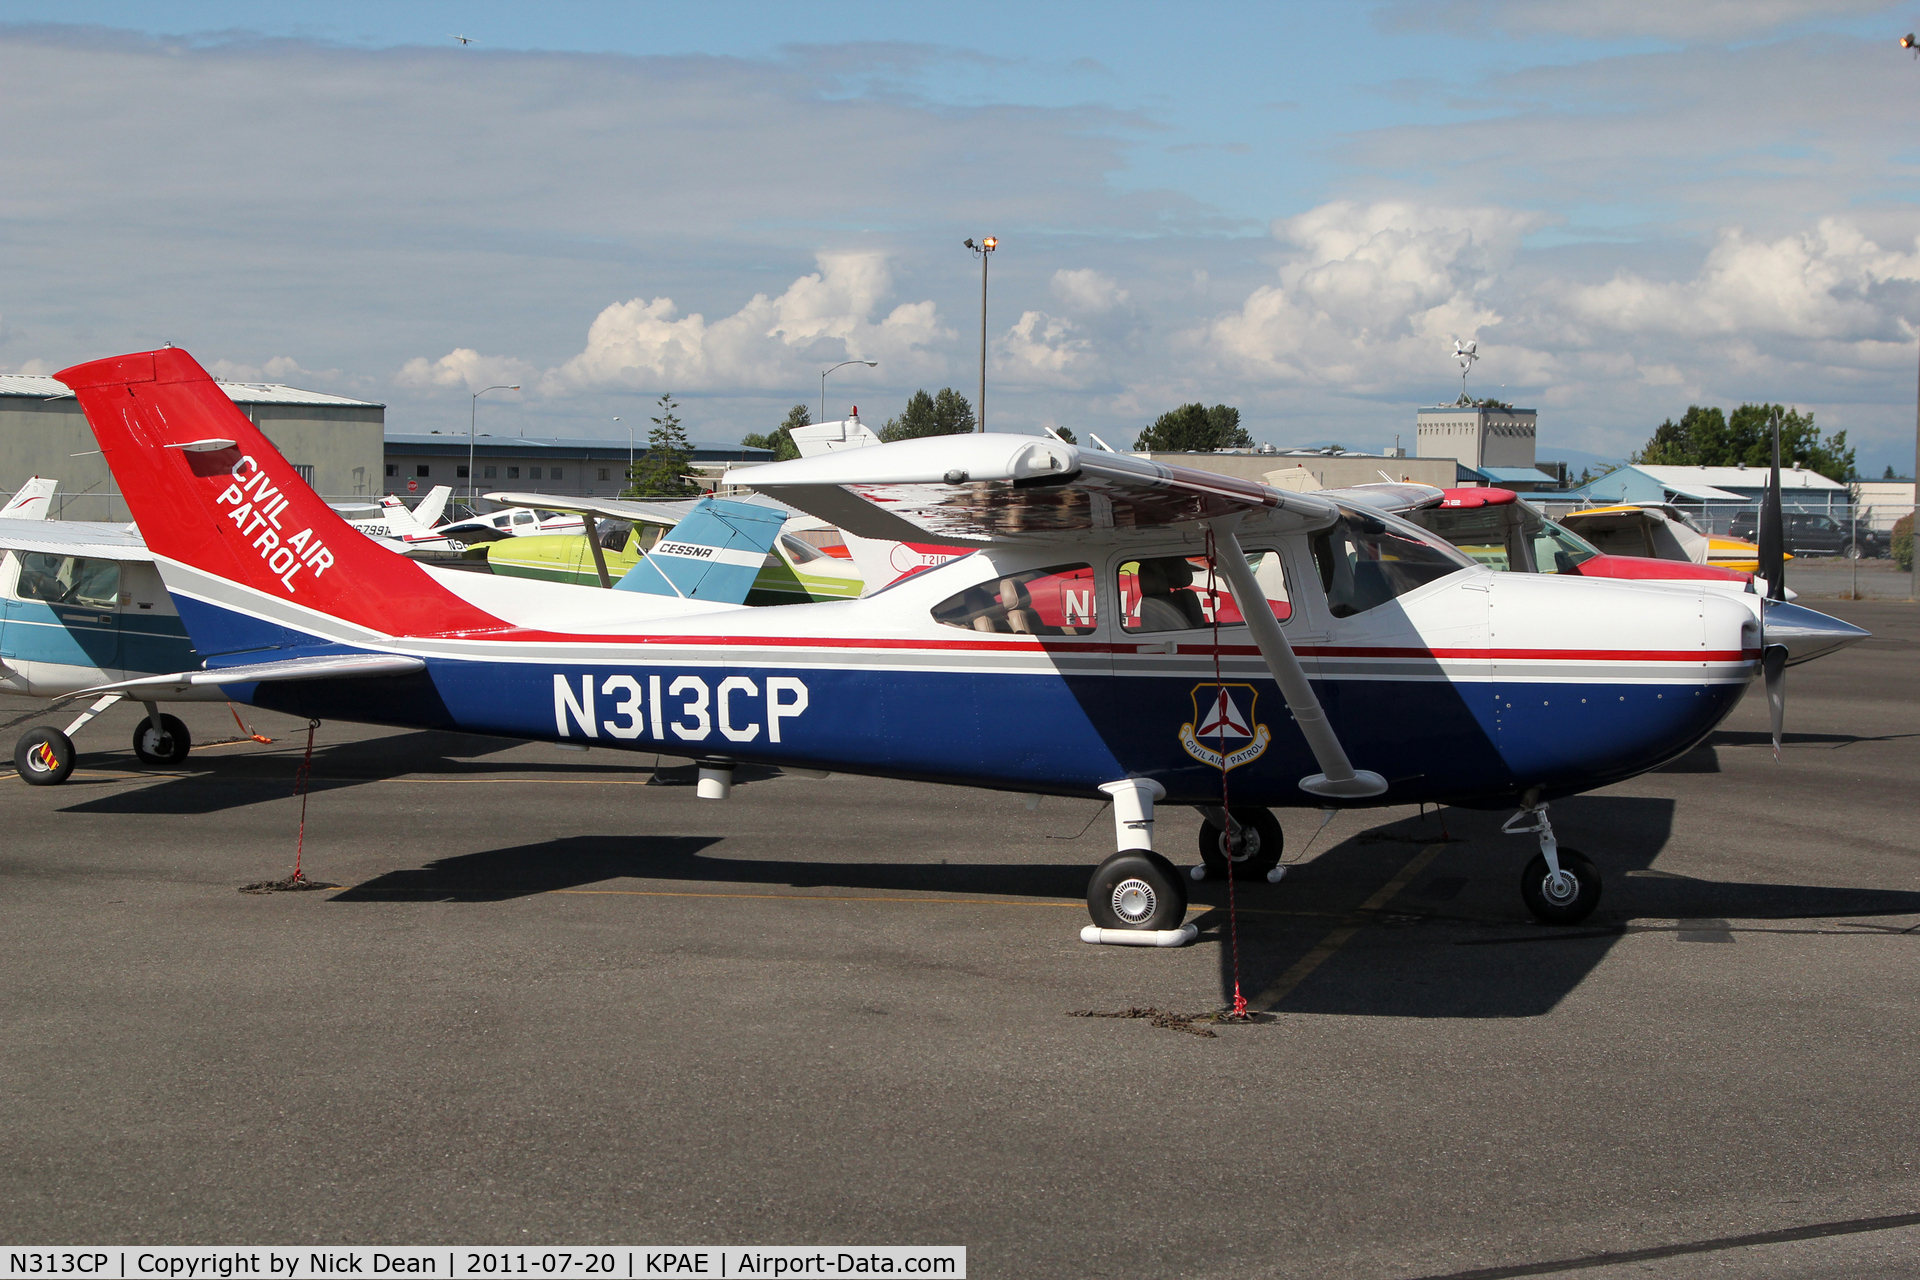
x,y
1394,498
87,538
973,490
670,512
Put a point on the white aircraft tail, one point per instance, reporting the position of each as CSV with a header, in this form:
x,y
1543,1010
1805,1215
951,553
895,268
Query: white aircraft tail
x,y
433,506
403,520
31,501
829,437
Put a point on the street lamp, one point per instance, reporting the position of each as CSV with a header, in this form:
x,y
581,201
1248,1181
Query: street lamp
x,y
871,364
624,487
472,412
980,251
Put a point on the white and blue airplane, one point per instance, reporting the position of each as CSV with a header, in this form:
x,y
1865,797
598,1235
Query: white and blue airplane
x,y
1123,629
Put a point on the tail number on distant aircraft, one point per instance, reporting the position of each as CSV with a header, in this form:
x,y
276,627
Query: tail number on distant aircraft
x,y
257,507
688,709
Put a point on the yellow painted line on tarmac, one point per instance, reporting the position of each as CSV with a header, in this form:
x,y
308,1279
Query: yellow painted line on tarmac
x,y
1283,986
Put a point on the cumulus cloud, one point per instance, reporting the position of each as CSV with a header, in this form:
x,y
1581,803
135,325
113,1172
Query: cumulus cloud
x,y
1045,350
282,369
770,342
832,314
1829,284
1087,291
465,368
1716,20
1364,287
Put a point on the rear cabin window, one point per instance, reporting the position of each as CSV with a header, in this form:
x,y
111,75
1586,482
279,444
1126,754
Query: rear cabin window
x,y
69,580
1173,593
1057,601
1365,562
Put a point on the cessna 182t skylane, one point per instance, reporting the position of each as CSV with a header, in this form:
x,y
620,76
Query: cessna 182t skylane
x,y
1375,664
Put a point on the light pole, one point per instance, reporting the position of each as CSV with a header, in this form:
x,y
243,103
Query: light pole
x,y
629,483
473,411
980,251
871,364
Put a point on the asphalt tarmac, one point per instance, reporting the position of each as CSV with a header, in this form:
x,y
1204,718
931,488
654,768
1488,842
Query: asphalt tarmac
x,y
558,1005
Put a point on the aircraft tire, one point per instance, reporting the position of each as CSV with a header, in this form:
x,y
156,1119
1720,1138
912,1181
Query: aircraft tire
x,y
1572,909
167,745
1261,845
44,757
1137,889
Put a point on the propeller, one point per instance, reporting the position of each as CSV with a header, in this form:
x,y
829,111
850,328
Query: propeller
x,y
1773,563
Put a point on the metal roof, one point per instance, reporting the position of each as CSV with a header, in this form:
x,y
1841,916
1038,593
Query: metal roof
x,y
34,386
1737,477
559,447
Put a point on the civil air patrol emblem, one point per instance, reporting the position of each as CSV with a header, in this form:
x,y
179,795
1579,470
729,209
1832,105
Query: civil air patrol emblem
x,y
1224,731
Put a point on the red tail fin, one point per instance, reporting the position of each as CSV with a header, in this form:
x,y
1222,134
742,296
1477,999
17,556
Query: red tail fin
x,y
210,491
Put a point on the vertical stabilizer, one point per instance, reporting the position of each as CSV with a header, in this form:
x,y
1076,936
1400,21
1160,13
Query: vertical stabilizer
x,y
31,501
714,553
214,497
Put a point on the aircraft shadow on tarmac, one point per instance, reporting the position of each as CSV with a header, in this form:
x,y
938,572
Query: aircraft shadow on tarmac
x,y
212,783
1456,942
1705,758
577,861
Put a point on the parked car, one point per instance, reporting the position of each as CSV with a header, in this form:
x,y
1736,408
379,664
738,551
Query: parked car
x,y
1810,533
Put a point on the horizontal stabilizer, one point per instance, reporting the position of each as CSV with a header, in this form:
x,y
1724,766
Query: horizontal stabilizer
x,y
713,554
988,487
332,666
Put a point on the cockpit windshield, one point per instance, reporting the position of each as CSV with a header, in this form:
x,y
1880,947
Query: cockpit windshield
x,y
1366,559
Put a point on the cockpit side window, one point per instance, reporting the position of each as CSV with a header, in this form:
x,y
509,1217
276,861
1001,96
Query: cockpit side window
x,y
1175,593
1365,562
69,580
1056,601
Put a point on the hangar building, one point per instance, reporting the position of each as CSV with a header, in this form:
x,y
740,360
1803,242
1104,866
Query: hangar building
x,y
336,444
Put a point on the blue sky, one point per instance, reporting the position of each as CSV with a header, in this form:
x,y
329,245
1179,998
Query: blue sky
x,y
1293,208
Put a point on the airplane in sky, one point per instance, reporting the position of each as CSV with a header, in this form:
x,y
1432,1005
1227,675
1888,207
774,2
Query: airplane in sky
x,y
1372,664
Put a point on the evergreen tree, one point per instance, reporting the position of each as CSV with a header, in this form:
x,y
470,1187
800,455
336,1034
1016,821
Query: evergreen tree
x,y
663,471
1066,433
780,439
1704,437
1194,428
946,414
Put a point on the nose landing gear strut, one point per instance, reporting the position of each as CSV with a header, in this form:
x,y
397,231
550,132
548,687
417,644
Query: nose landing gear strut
x,y
1559,885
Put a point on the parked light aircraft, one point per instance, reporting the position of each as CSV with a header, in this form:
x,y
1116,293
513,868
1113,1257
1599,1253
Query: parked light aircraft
x,y
1661,530
792,572
82,608
1395,670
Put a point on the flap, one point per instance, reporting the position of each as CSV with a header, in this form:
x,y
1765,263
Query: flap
x,y
982,488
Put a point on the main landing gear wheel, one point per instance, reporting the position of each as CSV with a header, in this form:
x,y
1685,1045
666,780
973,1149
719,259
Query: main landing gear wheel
x,y
1568,901
167,744
1259,844
1137,889
44,757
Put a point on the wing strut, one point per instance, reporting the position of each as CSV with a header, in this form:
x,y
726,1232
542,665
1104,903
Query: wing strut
x,y
1337,779
599,556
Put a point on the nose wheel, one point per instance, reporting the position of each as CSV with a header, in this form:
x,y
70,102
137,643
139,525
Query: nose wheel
x,y
1559,885
1566,898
